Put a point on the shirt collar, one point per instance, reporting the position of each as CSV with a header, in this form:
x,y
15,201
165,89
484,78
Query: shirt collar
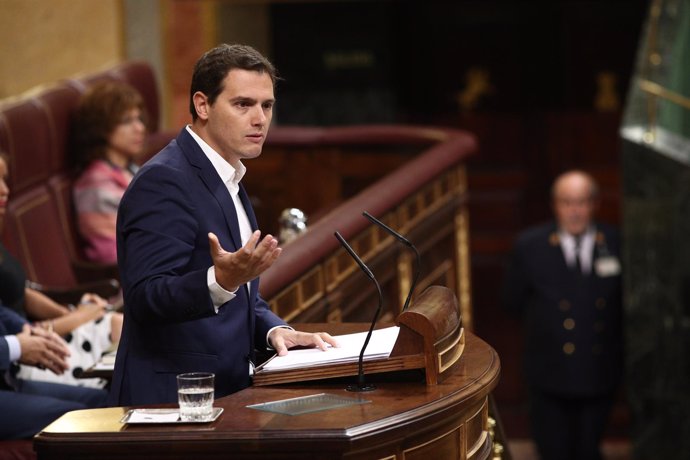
x,y
230,176
569,239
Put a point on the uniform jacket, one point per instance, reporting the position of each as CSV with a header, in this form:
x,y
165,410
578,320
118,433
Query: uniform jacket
x,y
572,322
170,324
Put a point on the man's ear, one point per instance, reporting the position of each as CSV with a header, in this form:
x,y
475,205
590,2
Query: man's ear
x,y
201,105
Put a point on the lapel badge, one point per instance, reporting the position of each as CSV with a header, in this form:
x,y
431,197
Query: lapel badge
x,y
554,239
601,239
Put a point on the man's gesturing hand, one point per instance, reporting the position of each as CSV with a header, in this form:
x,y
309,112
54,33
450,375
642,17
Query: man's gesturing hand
x,y
233,269
43,349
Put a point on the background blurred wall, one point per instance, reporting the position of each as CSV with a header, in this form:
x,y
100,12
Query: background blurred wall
x,y
43,41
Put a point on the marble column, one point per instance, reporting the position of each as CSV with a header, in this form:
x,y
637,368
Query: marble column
x,y
656,226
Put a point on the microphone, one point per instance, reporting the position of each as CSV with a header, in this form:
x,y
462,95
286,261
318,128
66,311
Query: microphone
x,y
361,385
407,243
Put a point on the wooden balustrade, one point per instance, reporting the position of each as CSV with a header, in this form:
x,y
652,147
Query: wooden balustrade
x,y
424,198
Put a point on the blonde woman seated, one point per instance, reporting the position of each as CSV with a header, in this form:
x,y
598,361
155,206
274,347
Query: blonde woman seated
x,y
108,135
89,328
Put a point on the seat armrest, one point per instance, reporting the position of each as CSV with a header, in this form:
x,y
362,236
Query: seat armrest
x,y
87,272
105,288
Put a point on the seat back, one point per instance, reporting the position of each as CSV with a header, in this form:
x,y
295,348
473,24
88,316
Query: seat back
x,y
25,135
35,236
60,187
40,225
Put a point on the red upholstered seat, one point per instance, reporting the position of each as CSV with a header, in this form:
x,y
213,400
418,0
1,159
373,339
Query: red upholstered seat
x,y
34,131
140,75
27,139
34,235
58,103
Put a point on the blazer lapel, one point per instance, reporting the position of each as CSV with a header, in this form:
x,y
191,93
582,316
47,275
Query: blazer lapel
x,y
220,192
556,252
211,179
248,208
253,224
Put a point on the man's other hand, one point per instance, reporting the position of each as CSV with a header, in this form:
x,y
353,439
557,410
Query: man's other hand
x,y
283,338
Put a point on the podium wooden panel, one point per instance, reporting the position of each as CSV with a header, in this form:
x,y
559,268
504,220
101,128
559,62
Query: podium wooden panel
x,y
406,419
431,338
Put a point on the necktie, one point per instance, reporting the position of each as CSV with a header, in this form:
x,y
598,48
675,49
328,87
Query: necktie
x,y
578,264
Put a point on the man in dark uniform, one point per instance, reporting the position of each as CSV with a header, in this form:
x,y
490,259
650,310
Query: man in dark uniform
x,y
565,280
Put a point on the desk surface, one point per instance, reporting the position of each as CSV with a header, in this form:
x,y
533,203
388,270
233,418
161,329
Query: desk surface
x,y
403,415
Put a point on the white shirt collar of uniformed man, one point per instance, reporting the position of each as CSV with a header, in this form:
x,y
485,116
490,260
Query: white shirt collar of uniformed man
x,y
230,176
586,253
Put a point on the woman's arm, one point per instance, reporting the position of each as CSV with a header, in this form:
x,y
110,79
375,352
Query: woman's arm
x,y
39,307
53,316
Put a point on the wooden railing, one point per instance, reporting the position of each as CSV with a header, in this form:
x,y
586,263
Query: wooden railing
x,y
315,280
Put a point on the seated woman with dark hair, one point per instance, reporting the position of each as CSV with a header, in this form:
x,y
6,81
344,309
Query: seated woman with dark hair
x,y
108,135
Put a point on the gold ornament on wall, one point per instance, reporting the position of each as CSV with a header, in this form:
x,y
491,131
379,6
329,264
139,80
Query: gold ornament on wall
x,y
477,86
606,98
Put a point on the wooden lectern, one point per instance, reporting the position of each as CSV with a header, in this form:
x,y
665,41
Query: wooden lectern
x,y
431,338
444,418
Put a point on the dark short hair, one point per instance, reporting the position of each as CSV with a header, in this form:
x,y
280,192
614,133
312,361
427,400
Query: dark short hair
x,y
98,113
212,68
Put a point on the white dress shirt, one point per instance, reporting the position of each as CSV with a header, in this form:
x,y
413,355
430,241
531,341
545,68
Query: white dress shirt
x,y
14,348
586,249
231,177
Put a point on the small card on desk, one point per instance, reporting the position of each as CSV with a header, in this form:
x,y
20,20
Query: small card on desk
x,y
153,416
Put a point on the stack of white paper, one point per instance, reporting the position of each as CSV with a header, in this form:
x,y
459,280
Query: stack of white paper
x,y
350,345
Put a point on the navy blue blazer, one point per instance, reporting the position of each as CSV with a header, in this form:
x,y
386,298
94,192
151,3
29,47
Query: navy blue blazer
x,y
10,323
573,329
170,325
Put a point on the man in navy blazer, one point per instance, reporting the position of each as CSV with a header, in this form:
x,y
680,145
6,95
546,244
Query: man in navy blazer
x,y
189,249
27,406
565,280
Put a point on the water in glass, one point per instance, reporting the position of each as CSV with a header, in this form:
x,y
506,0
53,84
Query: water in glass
x,y
195,396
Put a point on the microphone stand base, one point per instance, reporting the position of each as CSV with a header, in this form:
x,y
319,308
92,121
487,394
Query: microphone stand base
x,y
360,387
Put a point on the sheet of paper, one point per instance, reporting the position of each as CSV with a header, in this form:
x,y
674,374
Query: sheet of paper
x,y
106,363
380,346
144,416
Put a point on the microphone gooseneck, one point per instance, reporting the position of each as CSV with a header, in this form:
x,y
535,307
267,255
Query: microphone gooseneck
x,y
407,243
361,385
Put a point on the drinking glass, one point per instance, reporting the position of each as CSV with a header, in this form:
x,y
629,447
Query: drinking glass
x,y
195,396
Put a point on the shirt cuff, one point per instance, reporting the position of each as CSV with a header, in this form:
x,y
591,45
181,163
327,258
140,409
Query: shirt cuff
x,y
219,295
268,343
14,347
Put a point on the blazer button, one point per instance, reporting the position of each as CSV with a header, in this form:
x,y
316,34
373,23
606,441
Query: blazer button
x,y
599,326
569,324
597,349
569,348
564,305
600,303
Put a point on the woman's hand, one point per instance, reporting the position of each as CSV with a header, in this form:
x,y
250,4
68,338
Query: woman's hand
x,y
92,306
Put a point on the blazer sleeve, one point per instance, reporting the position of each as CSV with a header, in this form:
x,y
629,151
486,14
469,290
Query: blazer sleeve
x,y
4,354
159,245
10,323
265,320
